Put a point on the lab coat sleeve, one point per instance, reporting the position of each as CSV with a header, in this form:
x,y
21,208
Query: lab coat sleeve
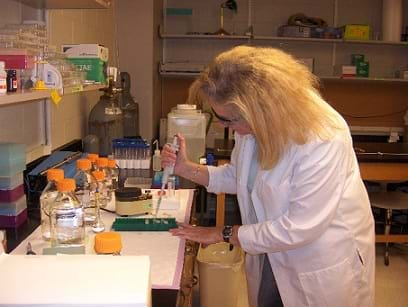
x,y
222,179
314,191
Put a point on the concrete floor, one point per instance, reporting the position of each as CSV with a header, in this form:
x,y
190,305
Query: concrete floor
x,y
391,281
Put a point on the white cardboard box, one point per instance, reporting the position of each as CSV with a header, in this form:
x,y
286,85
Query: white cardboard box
x,y
86,51
75,280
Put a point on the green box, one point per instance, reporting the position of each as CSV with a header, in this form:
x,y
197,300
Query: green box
x,y
356,58
95,68
362,69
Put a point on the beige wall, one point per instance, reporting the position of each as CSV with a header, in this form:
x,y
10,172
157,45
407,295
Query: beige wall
x,y
69,119
139,52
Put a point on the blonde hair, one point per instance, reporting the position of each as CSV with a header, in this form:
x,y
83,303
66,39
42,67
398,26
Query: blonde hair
x,y
274,93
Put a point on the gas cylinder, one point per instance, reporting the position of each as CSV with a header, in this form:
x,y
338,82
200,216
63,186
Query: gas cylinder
x,y
106,119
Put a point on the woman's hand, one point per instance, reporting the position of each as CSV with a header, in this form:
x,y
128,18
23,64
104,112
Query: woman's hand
x,y
170,157
203,235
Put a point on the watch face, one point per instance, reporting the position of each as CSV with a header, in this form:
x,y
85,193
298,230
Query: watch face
x,y
227,233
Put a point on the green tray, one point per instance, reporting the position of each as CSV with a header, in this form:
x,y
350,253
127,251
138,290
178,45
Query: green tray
x,y
143,224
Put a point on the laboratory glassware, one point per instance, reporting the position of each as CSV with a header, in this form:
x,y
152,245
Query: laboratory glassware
x,y
47,198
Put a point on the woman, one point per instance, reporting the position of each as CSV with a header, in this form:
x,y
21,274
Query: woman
x,y
304,208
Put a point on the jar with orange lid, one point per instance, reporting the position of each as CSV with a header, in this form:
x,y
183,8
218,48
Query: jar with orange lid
x,y
113,173
84,190
100,196
67,217
93,157
102,165
47,197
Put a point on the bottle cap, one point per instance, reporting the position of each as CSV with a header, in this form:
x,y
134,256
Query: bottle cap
x,y
99,175
83,164
66,185
55,174
108,243
102,162
93,157
111,163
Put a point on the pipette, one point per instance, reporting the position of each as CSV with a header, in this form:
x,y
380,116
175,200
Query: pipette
x,y
168,170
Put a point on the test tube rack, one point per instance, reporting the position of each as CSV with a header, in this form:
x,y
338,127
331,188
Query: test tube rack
x,y
143,224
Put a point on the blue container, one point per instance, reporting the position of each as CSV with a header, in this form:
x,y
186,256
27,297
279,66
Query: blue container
x,y
12,159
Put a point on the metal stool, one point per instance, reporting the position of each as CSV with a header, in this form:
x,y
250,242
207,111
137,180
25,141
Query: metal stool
x,y
389,200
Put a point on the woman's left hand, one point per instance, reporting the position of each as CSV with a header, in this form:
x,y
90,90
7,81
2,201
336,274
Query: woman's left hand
x,y
203,235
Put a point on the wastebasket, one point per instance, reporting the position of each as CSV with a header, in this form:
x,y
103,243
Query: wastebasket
x,y
222,280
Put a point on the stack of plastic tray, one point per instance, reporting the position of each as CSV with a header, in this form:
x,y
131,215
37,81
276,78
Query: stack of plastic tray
x,y
144,224
13,204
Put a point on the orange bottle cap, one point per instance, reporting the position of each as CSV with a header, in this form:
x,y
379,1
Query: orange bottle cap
x,y
55,174
108,243
66,185
102,162
111,163
92,157
99,175
83,164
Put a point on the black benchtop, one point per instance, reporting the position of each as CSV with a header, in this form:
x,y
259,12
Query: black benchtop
x,y
381,152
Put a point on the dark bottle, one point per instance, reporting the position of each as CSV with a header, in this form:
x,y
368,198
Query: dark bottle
x,y
11,80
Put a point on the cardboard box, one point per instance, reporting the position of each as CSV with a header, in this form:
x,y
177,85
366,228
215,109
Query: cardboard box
x,y
362,69
95,68
86,51
355,58
356,32
348,71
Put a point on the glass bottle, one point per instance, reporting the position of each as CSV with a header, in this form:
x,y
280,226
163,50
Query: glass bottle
x,y
102,165
67,217
47,197
100,197
113,173
84,190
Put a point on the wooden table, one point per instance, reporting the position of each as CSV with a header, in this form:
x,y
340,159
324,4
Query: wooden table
x,y
384,162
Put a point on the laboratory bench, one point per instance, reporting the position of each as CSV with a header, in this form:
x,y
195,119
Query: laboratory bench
x,y
172,281
177,293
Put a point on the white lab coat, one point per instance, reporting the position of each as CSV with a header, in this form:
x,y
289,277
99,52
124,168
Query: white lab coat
x,y
315,222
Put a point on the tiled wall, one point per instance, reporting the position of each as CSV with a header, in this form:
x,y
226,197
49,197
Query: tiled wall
x,y
24,122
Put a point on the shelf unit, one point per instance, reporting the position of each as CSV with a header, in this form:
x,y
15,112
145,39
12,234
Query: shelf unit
x,y
329,54
71,4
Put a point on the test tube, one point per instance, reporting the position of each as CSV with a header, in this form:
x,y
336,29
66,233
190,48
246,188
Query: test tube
x,y
171,187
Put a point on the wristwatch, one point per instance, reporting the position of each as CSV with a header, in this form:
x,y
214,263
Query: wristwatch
x,y
227,233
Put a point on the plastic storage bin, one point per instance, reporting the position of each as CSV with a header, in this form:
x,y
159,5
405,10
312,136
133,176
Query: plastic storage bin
x,y
12,221
222,280
13,208
10,195
10,183
190,122
12,159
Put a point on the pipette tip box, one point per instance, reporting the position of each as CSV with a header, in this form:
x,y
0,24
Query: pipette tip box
x,y
144,224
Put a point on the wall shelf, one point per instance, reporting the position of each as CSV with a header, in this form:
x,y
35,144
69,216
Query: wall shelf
x,y
328,40
71,4
29,95
323,78
205,36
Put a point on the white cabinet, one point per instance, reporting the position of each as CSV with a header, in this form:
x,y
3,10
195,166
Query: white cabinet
x,y
187,38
